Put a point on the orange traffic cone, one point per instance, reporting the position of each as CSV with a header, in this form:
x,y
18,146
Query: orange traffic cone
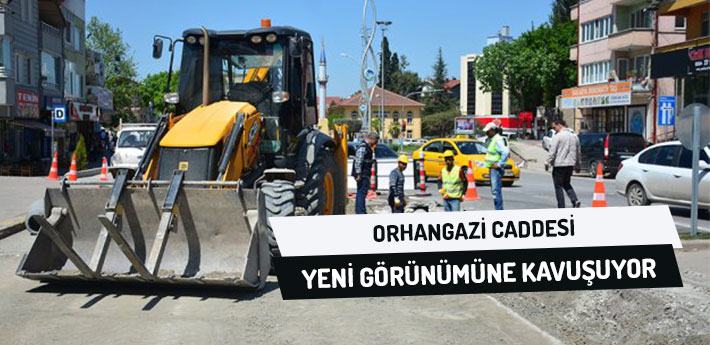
x,y
599,199
371,194
54,171
72,169
471,192
104,170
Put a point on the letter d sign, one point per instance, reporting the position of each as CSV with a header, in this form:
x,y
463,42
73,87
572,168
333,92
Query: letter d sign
x,y
60,114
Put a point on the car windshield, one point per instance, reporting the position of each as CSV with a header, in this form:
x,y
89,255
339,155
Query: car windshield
x,y
383,151
137,139
239,71
627,142
471,147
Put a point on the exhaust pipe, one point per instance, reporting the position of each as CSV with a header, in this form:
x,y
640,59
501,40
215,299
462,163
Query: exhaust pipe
x,y
205,67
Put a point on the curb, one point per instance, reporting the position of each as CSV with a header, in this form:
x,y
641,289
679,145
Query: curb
x,y
12,226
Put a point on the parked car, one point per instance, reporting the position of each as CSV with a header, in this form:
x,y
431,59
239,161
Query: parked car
x,y
609,149
386,159
130,145
662,173
465,150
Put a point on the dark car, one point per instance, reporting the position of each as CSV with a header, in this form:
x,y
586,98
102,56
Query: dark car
x,y
609,149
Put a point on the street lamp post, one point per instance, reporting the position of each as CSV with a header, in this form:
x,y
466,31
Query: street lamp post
x,y
383,25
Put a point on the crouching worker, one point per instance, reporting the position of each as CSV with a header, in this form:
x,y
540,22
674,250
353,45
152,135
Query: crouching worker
x,y
396,198
452,183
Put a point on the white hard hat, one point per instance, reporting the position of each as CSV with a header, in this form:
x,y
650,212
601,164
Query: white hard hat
x,y
489,126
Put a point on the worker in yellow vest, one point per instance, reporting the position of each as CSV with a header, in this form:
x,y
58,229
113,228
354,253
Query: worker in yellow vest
x,y
452,180
496,157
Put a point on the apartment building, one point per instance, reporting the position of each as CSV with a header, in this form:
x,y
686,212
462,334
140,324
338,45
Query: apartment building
x,y
688,62
615,92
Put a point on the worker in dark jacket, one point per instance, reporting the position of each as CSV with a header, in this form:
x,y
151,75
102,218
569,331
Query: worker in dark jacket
x,y
362,167
396,198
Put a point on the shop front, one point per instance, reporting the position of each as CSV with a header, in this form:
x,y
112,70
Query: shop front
x,y
690,67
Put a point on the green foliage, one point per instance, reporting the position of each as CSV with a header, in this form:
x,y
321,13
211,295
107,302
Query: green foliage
x,y
120,65
534,68
561,11
354,126
397,78
439,124
395,129
152,89
82,159
437,102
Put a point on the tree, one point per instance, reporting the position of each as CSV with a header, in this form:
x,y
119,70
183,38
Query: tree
x,y
440,124
119,62
436,102
386,61
561,11
152,89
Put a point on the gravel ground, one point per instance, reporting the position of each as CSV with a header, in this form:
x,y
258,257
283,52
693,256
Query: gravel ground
x,y
647,316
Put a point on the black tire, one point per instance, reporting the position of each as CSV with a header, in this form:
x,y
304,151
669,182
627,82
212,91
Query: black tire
x,y
312,196
280,201
593,169
507,183
636,195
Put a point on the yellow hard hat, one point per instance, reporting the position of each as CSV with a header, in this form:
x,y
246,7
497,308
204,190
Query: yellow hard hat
x,y
448,154
403,159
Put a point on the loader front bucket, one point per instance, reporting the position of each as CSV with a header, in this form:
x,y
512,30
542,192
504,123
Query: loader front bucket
x,y
171,232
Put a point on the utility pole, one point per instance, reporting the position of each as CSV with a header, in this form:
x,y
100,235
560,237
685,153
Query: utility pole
x,y
383,25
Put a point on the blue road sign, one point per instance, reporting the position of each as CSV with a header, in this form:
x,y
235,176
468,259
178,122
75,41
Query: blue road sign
x,y
60,114
666,110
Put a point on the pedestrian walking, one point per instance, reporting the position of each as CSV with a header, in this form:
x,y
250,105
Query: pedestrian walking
x,y
496,157
396,198
564,157
451,183
362,166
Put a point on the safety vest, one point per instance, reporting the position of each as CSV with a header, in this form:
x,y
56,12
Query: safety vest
x,y
452,182
492,153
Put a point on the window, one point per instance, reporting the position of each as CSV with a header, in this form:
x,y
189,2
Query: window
x,y
410,116
67,33
597,72
26,11
449,147
23,69
705,24
50,70
641,67
433,147
648,157
471,89
76,37
679,22
666,155
622,68
686,158
496,102
395,117
409,134
597,29
73,81
641,18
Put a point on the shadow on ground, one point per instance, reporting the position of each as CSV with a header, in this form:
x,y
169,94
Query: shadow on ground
x,y
155,293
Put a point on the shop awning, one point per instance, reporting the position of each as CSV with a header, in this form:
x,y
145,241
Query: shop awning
x,y
47,129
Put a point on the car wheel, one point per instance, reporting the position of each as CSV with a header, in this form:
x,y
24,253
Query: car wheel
x,y
593,169
636,195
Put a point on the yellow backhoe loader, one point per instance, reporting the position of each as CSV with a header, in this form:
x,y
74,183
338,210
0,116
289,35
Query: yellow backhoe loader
x,y
240,146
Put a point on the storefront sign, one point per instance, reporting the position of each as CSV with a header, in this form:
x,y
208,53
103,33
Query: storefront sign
x,y
682,62
102,96
51,102
84,112
27,104
602,95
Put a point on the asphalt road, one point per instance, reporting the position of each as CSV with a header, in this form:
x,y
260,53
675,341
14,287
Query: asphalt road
x,y
535,190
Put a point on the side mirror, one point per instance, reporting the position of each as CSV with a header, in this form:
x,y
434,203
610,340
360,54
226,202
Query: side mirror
x,y
171,98
703,165
157,48
296,47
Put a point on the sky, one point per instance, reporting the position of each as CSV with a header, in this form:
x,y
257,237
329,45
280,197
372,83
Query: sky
x,y
418,27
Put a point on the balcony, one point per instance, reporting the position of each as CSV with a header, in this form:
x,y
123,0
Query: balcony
x,y
630,39
573,53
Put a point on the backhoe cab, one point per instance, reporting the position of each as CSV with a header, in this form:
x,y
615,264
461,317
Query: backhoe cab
x,y
241,146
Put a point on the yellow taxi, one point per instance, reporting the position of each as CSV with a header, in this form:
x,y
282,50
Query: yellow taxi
x,y
465,150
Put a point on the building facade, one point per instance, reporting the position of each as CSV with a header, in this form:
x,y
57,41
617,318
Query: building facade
x,y
687,62
615,92
472,99
399,111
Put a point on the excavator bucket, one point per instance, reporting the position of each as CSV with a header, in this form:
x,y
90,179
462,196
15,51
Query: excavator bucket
x,y
164,232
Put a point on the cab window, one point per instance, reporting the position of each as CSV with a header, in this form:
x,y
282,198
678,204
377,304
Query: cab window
x,y
448,146
434,147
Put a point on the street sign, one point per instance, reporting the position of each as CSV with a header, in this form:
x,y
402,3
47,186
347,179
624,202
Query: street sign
x,y
368,74
60,114
363,108
666,110
684,128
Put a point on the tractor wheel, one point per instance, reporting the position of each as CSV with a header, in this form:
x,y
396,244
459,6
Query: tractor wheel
x,y
322,193
280,201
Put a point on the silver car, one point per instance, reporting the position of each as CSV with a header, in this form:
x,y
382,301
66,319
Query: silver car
x,y
662,173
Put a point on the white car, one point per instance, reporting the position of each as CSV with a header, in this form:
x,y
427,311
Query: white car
x,y
130,145
662,173
386,161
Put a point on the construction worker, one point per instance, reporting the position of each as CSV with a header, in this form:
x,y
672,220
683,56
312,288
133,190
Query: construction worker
x,y
396,198
452,180
496,157
362,167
